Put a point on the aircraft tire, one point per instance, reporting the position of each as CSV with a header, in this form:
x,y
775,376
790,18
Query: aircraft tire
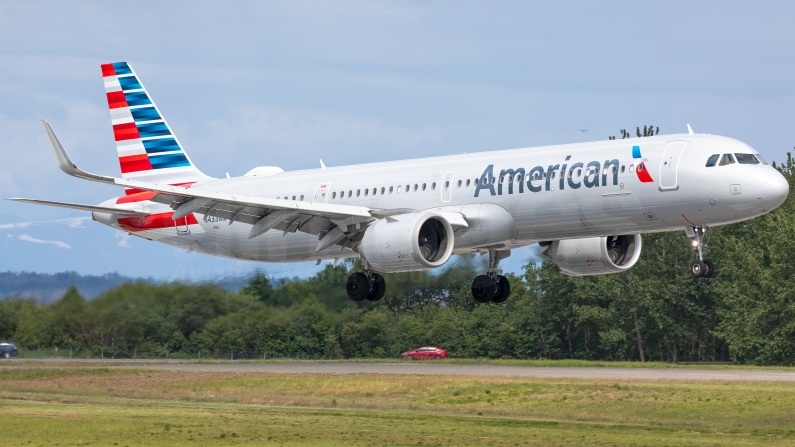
x,y
698,268
710,269
379,288
503,290
358,286
483,288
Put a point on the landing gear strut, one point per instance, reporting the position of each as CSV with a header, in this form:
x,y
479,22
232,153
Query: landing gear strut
x,y
700,268
492,287
366,285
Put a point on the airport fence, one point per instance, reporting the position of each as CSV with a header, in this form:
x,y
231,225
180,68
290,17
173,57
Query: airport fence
x,y
82,353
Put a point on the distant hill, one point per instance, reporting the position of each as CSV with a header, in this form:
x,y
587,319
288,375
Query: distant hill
x,y
48,287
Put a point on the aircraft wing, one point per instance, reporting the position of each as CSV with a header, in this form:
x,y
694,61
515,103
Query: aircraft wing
x,y
261,212
77,206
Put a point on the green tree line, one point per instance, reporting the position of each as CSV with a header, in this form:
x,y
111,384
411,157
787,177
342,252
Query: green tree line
x,y
656,311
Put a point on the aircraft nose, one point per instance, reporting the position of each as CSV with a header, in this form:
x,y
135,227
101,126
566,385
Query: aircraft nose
x,y
774,187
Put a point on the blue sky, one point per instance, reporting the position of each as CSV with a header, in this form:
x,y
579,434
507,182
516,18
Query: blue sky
x,y
285,83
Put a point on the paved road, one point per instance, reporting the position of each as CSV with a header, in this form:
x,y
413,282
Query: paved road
x,y
587,373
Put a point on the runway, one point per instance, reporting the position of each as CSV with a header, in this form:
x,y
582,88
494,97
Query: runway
x,y
432,368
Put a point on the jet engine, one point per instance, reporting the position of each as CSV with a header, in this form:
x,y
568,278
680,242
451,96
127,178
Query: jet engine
x,y
595,255
407,242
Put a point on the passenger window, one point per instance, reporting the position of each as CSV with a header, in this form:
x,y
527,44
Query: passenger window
x,y
293,197
459,183
423,186
375,190
447,184
350,194
334,195
632,168
467,183
622,168
727,159
358,192
366,192
553,174
390,190
408,188
383,190
712,160
493,180
415,187
746,159
302,197
433,186
502,179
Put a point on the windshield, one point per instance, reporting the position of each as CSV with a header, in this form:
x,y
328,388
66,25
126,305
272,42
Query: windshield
x,y
746,159
727,159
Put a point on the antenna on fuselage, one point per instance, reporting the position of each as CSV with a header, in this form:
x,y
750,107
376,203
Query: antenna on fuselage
x,y
689,130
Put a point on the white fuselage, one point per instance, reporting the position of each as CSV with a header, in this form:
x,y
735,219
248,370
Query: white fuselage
x,y
516,209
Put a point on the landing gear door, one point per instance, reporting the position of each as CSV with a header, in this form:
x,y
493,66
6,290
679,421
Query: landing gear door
x,y
670,165
321,193
447,187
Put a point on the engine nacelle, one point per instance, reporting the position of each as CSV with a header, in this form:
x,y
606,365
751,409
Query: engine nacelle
x,y
407,242
595,255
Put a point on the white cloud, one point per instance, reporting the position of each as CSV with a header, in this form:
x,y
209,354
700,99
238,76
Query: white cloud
x,y
123,239
74,222
16,225
26,238
71,222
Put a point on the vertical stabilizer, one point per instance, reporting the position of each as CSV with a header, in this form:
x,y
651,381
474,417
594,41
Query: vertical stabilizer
x,y
148,149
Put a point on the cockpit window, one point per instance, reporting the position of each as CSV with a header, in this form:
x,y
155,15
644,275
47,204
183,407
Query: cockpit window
x,y
712,160
762,160
727,159
746,159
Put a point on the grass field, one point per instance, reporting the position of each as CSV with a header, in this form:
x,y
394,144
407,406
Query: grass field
x,y
100,406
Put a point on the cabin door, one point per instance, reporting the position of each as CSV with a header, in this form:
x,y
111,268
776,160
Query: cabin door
x,y
321,193
447,187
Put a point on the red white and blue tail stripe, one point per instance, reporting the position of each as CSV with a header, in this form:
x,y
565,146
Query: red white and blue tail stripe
x,y
148,149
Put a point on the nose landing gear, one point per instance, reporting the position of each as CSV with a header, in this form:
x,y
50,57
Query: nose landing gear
x,y
366,285
700,268
492,287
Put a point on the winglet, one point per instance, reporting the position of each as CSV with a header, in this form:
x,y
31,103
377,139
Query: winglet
x,y
689,130
322,165
65,163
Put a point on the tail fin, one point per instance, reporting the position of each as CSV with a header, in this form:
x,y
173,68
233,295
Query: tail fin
x,y
148,150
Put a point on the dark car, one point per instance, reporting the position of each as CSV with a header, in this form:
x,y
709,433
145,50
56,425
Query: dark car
x,y
8,349
425,352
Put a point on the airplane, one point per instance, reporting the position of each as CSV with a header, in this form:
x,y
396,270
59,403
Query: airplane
x,y
587,203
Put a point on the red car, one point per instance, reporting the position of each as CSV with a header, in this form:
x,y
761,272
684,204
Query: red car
x,y
425,352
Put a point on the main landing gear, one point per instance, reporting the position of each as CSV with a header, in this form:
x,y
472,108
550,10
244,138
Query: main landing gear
x,y
700,268
492,287
366,285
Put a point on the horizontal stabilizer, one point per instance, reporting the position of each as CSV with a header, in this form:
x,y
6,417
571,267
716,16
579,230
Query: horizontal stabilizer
x,y
77,206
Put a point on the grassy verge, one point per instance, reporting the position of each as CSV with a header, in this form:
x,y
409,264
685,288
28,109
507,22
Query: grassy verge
x,y
96,406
